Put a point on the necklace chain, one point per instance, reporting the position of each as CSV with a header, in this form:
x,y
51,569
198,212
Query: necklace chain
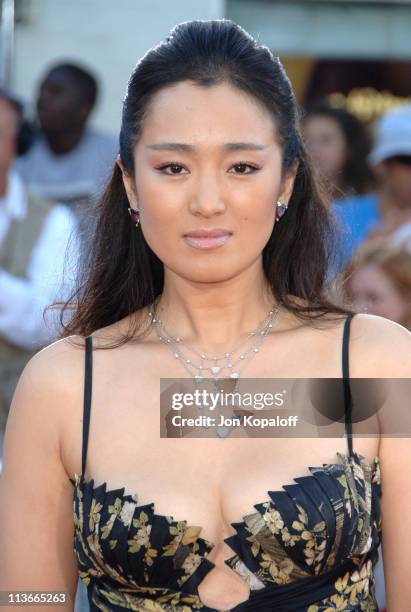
x,y
203,355
174,343
230,363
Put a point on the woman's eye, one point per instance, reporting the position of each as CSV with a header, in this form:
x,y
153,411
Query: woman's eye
x,y
175,169
242,167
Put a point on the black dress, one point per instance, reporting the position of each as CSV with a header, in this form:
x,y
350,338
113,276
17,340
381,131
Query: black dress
x,y
310,547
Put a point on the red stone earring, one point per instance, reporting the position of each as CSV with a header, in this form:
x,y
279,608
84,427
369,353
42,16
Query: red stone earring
x,y
135,215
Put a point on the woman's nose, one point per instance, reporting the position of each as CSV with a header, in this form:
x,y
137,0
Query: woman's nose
x,y
207,200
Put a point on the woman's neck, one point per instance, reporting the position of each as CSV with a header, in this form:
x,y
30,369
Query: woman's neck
x,y
213,320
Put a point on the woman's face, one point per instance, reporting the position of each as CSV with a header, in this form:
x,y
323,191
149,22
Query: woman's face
x,y
326,144
373,291
207,159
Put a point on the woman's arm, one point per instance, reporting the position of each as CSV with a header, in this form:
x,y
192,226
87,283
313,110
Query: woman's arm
x,y
36,507
382,349
395,456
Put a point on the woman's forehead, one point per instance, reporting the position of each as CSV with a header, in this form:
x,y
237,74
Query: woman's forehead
x,y
192,113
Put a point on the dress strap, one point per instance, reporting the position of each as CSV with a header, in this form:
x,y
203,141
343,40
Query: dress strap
x,y
88,373
346,382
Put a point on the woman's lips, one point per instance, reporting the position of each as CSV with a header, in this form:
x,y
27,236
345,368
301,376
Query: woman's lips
x,y
206,242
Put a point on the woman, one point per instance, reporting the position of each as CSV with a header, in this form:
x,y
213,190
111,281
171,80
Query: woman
x,y
227,235
339,145
378,281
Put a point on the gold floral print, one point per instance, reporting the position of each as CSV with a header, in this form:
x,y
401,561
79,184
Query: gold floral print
x,y
274,521
141,538
127,513
284,542
191,562
94,517
280,572
113,510
353,593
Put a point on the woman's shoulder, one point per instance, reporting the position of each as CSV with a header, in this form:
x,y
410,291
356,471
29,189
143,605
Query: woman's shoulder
x,y
60,365
53,376
47,397
379,347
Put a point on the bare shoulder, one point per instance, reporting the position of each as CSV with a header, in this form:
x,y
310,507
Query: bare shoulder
x,y
58,369
54,366
60,365
56,373
379,348
49,384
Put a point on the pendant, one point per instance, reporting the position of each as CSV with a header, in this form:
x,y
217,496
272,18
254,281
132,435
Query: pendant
x,y
222,431
234,375
215,369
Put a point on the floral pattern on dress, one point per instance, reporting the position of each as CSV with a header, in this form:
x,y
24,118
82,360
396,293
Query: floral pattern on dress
x,y
117,540
131,558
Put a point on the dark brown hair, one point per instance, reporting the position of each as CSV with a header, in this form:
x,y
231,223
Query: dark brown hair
x,y
120,274
356,174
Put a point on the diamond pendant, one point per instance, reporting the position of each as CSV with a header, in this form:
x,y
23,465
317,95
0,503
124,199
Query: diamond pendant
x,y
215,369
222,431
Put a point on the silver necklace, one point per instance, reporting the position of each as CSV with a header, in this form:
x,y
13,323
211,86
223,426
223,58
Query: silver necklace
x,y
172,341
204,355
215,369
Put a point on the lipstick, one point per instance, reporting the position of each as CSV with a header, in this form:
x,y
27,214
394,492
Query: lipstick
x,y
207,239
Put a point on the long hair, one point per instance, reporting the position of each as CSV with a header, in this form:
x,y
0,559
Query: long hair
x,y
356,174
121,274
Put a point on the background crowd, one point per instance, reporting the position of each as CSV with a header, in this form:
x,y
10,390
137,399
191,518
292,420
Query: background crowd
x,y
52,167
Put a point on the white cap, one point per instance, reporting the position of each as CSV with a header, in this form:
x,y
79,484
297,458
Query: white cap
x,y
393,135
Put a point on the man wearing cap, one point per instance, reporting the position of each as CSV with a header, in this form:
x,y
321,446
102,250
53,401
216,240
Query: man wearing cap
x,y
388,211
34,235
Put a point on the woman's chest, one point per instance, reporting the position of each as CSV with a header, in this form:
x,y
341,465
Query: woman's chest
x,y
211,482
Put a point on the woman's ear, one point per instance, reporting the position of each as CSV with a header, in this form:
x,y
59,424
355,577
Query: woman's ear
x,y
287,184
128,183
120,164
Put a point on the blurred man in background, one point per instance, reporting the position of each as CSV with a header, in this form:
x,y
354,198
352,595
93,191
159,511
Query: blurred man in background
x,y
34,235
391,158
387,211
68,162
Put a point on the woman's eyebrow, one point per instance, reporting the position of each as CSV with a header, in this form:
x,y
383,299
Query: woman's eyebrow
x,y
229,146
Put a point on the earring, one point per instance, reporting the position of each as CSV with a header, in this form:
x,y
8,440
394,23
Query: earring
x,y
280,210
135,215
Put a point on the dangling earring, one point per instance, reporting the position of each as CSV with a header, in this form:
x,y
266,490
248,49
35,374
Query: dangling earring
x,y
135,215
280,210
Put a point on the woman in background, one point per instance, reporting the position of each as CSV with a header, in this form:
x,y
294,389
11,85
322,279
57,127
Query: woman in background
x,y
378,281
339,144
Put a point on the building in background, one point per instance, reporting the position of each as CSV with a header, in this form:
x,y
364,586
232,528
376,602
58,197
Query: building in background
x,y
356,50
